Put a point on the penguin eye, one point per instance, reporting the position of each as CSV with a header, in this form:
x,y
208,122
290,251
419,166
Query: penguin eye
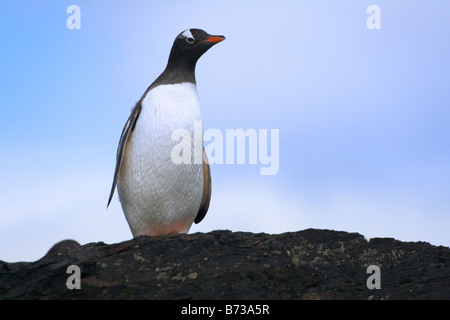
x,y
190,40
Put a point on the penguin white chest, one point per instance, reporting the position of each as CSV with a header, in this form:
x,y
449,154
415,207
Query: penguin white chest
x,y
157,195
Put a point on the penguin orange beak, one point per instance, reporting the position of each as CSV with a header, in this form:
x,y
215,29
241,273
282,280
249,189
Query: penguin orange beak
x,y
215,39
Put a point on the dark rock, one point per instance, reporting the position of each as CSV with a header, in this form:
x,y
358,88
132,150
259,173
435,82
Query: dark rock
x,y
309,264
62,247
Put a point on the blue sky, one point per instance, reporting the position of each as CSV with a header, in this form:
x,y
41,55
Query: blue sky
x,y
363,115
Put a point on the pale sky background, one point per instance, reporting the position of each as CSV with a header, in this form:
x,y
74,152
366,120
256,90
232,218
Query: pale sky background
x,y
363,115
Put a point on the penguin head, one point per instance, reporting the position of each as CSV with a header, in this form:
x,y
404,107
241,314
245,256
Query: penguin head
x,y
191,44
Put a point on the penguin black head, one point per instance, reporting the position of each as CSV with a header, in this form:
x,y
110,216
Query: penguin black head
x,y
190,45
187,48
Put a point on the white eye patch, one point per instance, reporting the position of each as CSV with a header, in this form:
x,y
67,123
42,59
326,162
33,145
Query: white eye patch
x,y
188,34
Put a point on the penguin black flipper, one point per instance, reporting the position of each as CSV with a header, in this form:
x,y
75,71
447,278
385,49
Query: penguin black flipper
x,y
126,134
206,198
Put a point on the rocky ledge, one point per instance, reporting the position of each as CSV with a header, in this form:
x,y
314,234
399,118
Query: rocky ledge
x,y
309,264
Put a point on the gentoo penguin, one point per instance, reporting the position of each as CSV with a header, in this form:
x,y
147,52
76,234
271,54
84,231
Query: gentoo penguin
x,y
157,195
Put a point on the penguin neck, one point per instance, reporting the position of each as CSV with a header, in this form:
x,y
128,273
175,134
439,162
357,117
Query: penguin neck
x,y
177,71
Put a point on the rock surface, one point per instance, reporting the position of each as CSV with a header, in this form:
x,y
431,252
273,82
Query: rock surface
x,y
309,264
